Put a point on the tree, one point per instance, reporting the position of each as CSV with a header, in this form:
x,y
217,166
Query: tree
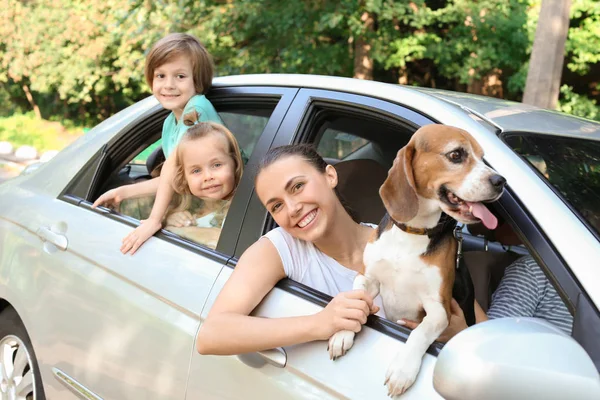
x,y
84,59
547,57
363,61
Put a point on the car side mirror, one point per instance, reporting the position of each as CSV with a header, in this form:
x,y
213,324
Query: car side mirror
x,y
515,358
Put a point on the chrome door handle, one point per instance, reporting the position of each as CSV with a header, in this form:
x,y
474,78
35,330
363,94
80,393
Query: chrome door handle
x,y
276,357
49,236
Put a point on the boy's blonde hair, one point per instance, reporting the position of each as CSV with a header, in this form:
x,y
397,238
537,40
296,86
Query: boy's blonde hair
x,y
198,130
175,45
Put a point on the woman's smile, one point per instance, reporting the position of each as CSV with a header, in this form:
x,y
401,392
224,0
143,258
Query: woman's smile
x,y
308,219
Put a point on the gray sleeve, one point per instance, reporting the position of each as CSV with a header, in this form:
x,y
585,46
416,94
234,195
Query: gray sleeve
x,y
518,293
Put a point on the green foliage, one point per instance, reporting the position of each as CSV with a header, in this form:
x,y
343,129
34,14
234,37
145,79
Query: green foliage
x,y
26,129
83,60
576,104
584,36
475,38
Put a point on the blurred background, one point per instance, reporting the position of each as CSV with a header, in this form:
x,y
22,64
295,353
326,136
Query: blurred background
x,y
68,64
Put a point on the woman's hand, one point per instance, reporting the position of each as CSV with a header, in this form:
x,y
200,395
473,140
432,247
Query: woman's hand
x,y
347,311
181,219
111,199
457,323
135,239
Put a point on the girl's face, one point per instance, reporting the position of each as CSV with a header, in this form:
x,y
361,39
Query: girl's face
x,y
299,197
173,84
209,169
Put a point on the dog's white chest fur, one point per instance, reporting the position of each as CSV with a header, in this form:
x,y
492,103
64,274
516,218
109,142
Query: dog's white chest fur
x,y
405,280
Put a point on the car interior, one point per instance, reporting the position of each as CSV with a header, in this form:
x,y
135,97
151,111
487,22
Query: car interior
x,y
362,172
362,147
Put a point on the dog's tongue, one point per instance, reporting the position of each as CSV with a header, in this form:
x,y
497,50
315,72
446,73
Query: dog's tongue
x,y
480,211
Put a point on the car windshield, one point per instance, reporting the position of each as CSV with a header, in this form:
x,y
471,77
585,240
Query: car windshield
x,y
570,165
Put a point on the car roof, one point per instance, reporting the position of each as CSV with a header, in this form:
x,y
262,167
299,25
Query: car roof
x,y
507,116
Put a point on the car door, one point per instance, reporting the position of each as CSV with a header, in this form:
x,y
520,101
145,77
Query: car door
x,y
305,370
107,325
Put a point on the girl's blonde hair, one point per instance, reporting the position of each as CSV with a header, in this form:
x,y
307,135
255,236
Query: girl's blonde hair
x,y
175,45
198,130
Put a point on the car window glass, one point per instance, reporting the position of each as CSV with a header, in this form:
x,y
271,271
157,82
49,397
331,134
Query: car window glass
x,y
142,157
509,282
571,166
191,218
246,127
362,149
338,144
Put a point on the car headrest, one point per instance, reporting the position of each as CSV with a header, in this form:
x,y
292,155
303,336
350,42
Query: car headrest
x,y
358,183
156,158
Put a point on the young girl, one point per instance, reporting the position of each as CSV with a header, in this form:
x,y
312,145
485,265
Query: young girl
x,y
208,168
317,243
179,70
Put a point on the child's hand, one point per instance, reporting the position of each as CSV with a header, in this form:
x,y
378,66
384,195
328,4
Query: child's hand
x,y
181,219
135,239
110,199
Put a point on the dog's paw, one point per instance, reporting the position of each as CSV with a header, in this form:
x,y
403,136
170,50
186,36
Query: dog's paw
x,y
340,343
401,374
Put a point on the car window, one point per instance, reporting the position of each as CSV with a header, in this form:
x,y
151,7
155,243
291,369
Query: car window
x,y
362,149
571,166
246,125
202,225
339,144
142,158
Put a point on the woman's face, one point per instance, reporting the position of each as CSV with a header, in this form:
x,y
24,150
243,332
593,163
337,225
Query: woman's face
x,y
300,198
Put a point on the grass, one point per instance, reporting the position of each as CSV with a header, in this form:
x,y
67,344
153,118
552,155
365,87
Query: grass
x,y
26,129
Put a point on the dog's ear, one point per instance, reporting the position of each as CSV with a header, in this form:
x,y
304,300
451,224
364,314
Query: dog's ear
x,y
398,191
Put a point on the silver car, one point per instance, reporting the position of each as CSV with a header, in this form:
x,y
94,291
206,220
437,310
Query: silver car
x,y
81,320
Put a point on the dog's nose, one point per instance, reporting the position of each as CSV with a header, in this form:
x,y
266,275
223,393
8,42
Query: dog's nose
x,y
497,181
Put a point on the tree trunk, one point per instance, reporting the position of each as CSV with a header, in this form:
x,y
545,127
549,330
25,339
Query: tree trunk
x,y
31,101
363,63
547,57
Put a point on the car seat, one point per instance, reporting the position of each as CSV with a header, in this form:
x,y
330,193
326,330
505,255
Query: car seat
x,y
358,184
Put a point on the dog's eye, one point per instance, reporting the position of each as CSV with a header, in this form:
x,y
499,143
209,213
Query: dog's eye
x,y
456,156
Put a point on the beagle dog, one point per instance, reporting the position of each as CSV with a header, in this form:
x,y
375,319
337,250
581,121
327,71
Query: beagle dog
x,y
411,258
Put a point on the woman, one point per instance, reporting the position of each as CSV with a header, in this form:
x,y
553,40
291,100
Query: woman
x,y
317,243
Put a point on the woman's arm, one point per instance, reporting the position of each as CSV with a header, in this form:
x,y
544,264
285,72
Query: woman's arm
x,y
480,315
149,227
228,328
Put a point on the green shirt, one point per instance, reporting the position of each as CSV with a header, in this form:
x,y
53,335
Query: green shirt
x,y
173,130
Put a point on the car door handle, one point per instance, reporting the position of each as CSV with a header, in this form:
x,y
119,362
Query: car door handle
x,y
49,236
276,357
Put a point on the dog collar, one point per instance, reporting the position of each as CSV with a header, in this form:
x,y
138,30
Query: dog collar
x,y
441,226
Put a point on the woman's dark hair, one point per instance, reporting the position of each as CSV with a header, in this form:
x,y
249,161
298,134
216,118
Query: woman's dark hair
x,y
310,155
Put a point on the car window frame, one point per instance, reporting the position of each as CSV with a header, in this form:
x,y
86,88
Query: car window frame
x,y
506,135
132,139
294,130
508,206
586,316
